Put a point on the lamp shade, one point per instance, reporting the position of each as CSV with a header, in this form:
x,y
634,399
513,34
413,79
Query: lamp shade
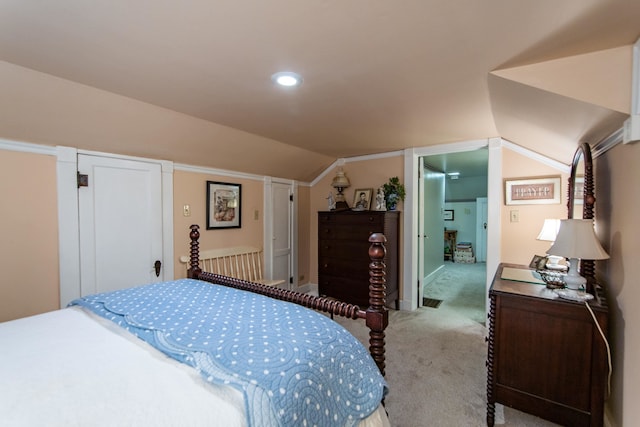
x,y
340,180
549,230
577,239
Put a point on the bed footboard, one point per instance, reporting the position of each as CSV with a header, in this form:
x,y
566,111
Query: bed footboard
x,y
376,316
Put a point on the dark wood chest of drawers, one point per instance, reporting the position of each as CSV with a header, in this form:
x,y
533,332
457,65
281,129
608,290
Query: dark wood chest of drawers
x,y
546,355
343,254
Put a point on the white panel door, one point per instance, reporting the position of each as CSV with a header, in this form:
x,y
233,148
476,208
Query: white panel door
x,y
120,221
282,217
431,207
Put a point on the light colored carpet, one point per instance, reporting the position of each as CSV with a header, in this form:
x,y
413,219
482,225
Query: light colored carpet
x,y
436,359
462,288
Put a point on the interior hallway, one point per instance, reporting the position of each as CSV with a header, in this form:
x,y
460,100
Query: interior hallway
x,y
461,288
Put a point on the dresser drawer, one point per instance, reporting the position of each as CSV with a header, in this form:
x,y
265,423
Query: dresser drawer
x,y
352,218
343,267
353,250
350,290
356,232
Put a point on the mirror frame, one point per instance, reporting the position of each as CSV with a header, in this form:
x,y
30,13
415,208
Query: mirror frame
x,y
583,153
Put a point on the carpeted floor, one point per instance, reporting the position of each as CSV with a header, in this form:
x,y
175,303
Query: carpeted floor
x,y
436,358
461,287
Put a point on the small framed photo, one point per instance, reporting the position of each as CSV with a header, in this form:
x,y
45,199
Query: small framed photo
x,y
538,262
362,199
448,215
532,191
223,205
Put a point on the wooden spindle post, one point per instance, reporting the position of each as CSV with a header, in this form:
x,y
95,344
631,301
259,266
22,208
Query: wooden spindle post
x,y
377,317
194,255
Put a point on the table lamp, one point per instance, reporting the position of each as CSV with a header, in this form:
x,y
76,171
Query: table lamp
x,y
340,182
577,240
548,234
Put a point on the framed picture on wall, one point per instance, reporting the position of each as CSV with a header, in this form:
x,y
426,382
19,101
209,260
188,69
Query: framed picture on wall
x,y
532,191
448,215
223,205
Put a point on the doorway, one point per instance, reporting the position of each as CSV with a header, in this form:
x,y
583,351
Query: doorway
x,y
280,260
138,193
452,205
412,162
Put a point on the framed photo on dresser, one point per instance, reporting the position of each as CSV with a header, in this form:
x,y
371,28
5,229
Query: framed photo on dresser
x,y
362,199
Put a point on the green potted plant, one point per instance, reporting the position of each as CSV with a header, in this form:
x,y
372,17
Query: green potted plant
x,y
393,192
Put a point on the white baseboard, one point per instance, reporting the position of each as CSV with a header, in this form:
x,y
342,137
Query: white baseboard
x,y
308,288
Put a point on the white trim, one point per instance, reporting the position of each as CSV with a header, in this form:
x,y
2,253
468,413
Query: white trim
x,y
454,147
267,226
294,237
343,161
214,171
604,145
68,224
308,288
409,300
374,156
635,80
168,272
412,156
494,211
537,157
27,147
325,172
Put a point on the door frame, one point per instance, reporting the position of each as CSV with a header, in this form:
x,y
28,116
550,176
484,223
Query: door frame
x,y
412,164
482,221
68,221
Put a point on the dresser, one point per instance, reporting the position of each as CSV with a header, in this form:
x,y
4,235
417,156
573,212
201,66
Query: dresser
x,y
343,254
546,356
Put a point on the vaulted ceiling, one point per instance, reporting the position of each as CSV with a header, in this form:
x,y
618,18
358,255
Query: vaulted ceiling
x,y
378,75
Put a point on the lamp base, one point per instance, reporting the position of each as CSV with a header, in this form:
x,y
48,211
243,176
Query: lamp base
x,y
573,279
341,205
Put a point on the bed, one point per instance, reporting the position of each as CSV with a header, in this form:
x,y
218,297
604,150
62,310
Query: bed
x,y
207,350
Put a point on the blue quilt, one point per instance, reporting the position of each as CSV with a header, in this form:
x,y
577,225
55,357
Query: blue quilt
x,y
295,366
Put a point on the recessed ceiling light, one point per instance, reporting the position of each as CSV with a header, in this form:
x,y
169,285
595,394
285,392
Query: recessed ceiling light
x,y
287,79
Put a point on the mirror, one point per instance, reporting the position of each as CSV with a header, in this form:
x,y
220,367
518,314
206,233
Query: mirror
x,y
581,199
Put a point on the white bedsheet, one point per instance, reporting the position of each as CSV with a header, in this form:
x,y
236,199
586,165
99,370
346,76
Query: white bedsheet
x,y
71,368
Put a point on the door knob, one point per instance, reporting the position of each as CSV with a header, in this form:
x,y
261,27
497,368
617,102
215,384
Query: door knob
x,y
157,266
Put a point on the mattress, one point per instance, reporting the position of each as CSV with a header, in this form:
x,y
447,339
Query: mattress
x,y
72,368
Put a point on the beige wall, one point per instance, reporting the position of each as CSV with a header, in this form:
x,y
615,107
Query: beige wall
x,y
519,242
361,174
617,207
189,188
29,282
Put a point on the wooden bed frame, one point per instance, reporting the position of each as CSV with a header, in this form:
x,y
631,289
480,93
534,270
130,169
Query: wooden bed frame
x,y
376,316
